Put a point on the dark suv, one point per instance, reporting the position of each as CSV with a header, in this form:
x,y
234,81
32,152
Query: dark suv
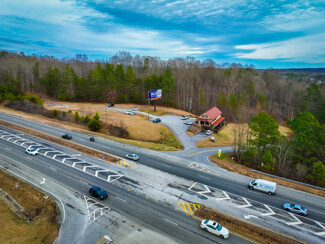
x,y
67,136
156,120
98,192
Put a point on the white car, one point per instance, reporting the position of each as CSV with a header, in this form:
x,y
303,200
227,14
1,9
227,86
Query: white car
x,y
31,151
188,122
208,132
215,228
134,109
185,117
129,112
132,156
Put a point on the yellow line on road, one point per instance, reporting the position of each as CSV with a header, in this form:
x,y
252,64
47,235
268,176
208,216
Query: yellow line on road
x,y
100,241
202,152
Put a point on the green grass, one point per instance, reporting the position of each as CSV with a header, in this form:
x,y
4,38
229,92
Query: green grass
x,y
159,112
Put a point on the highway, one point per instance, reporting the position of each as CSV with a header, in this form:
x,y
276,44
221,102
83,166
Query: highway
x,y
162,219
232,183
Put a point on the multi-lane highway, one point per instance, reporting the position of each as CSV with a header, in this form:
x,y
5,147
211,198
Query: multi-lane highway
x,y
209,178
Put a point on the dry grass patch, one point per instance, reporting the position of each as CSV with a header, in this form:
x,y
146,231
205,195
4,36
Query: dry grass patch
x,y
227,163
45,226
243,227
225,137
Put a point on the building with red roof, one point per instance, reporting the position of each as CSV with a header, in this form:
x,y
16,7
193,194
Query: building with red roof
x,y
211,119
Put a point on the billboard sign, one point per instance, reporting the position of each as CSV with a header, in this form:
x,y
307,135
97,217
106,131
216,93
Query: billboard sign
x,y
155,94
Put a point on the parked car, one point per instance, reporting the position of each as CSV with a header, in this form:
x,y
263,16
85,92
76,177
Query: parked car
x,y
215,228
98,192
295,208
188,122
263,185
135,109
129,112
185,117
132,156
31,151
156,120
111,105
67,136
208,132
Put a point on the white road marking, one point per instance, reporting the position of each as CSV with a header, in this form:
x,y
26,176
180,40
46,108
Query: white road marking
x,y
205,177
43,181
250,216
53,168
270,213
298,222
167,165
170,221
247,204
201,192
225,198
320,233
122,199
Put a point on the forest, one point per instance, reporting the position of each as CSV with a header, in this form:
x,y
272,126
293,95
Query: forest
x,y
263,98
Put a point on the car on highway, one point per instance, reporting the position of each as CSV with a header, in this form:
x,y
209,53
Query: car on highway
x,y
31,151
295,208
215,228
132,156
208,132
185,117
130,112
98,192
188,122
157,120
67,136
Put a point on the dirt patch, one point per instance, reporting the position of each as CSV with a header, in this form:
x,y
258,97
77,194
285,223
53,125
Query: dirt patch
x,y
144,133
243,227
227,163
225,137
42,209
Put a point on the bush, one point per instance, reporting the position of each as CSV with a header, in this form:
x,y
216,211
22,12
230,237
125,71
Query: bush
x,y
55,113
35,99
76,116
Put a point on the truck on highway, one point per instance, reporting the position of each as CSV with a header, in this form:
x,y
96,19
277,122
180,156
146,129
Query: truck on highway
x,y
263,185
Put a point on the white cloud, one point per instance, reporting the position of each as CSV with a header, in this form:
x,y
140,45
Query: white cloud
x,y
309,49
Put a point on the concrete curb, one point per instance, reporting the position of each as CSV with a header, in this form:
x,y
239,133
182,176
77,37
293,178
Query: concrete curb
x,y
12,204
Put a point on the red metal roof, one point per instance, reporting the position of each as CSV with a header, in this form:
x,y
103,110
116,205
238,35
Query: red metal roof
x,y
213,112
218,121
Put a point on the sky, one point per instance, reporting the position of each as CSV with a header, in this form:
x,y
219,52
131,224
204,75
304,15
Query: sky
x,y
266,34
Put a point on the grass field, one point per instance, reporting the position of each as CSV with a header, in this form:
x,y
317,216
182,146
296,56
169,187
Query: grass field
x,y
45,226
225,137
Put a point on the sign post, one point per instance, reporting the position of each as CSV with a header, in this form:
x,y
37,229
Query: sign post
x,y
155,95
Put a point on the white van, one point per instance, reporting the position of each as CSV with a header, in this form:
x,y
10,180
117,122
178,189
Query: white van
x,y
263,185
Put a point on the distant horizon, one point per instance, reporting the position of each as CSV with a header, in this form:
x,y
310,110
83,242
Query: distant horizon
x,y
279,34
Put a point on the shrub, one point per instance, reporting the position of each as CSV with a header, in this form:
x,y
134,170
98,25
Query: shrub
x,y
55,112
76,116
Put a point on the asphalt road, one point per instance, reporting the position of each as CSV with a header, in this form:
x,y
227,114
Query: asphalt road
x,y
222,180
162,219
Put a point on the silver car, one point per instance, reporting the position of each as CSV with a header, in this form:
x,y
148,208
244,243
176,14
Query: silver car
x,y
132,156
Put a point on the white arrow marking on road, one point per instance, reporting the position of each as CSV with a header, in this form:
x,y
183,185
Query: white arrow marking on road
x,y
320,233
245,206
225,198
107,237
298,222
43,181
270,213
250,216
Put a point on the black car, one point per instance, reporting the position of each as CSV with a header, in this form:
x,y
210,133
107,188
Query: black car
x,y
156,120
67,136
98,192
111,105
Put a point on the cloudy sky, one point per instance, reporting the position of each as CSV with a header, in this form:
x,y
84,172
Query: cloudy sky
x,y
277,33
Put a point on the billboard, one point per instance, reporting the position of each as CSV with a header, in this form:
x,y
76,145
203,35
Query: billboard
x,y
155,94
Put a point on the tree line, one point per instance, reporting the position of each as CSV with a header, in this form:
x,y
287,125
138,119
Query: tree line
x,y
187,84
